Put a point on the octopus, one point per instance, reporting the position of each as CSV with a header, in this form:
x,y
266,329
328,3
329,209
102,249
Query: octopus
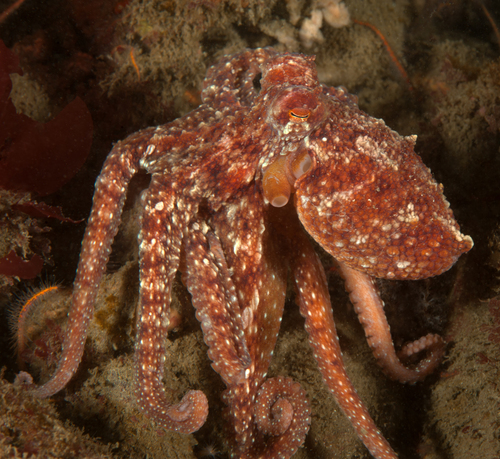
x,y
271,160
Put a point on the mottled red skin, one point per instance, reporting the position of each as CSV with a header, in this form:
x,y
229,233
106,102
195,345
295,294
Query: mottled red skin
x,y
366,198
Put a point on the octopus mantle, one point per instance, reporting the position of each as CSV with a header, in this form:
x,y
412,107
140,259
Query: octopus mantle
x,y
269,156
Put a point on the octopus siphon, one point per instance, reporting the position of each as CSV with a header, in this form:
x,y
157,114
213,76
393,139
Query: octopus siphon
x,y
239,186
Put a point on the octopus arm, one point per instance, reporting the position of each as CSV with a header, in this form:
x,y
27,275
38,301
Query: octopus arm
x,y
207,278
283,415
370,310
315,306
239,292
164,219
110,192
245,67
276,409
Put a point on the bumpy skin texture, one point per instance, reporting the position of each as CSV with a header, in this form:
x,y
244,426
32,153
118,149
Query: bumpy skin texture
x,y
269,153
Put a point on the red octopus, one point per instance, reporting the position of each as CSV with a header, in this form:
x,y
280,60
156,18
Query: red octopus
x,y
269,156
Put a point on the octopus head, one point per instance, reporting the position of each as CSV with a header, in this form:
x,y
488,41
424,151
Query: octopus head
x,y
358,187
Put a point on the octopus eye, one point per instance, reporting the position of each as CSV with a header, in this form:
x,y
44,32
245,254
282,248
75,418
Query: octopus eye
x,y
299,115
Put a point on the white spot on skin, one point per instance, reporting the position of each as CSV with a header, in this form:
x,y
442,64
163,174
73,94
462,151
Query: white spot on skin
x,y
403,264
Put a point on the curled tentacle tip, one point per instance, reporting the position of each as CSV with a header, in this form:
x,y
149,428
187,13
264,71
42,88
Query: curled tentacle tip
x,y
430,342
280,401
23,379
191,413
